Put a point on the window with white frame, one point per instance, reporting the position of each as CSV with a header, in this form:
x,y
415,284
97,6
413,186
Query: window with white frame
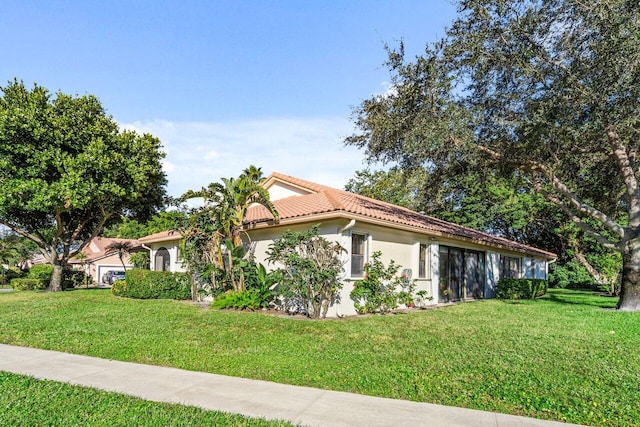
x,y
423,257
358,247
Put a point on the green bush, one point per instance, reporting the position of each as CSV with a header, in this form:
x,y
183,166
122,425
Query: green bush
x,y
119,288
27,284
73,278
381,290
41,272
251,299
6,275
521,288
145,284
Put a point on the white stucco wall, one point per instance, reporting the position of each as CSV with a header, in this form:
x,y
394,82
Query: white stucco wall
x,y
400,246
281,190
175,263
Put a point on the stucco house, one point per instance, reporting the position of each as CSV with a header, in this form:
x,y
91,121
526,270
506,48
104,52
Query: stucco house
x,y
99,259
449,261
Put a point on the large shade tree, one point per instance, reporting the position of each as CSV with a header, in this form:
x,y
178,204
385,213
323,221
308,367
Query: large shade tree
x,y
549,89
66,171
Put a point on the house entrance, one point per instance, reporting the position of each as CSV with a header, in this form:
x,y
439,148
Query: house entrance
x,y
163,260
462,274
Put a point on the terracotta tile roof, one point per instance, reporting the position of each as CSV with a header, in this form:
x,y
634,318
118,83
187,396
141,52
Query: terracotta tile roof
x,y
163,236
327,200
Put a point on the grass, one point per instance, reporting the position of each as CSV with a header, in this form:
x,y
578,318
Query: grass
x,y
29,402
566,357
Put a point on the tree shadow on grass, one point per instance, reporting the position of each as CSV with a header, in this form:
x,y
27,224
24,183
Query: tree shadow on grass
x,y
581,297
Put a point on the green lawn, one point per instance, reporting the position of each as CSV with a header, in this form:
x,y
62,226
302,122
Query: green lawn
x,y
29,402
566,357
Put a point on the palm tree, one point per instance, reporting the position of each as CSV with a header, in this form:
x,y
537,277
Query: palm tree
x,y
122,247
226,203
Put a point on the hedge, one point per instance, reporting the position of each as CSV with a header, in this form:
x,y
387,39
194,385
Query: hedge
x,y
145,284
27,284
521,288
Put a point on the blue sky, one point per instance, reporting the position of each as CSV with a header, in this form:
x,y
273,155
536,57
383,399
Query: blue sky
x,y
223,84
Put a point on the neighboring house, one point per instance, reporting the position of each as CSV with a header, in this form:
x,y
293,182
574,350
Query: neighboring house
x,y
99,259
449,261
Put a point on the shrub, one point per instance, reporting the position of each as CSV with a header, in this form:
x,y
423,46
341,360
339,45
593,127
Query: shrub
x,y
521,288
251,299
73,278
41,272
119,288
27,284
145,284
381,290
310,278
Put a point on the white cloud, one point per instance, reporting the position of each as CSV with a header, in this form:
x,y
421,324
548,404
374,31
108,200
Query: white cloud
x,y
199,153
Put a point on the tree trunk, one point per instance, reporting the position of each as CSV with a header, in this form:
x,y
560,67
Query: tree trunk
x,y
56,279
630,289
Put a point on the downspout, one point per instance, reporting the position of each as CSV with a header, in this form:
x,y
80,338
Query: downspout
x,y
349,226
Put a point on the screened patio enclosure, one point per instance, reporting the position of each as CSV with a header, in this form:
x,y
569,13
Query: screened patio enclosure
x,y
462,274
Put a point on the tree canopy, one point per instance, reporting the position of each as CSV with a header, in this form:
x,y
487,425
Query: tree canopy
x,y
546,89
67,170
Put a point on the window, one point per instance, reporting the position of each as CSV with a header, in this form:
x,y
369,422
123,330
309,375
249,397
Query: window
x,y
510,267
422,261
357,254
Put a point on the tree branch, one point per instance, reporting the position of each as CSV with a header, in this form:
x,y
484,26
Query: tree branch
x,y
37,240
580,223
630,180
560,187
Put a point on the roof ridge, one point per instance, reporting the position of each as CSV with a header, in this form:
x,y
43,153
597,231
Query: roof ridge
x,y
335,202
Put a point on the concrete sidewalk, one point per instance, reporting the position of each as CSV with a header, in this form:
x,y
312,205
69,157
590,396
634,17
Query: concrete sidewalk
x,y
299,405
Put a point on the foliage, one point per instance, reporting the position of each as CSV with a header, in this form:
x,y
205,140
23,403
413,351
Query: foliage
x,y
257,295
27,401
382,290
15,251
134,229
41,272
249,299
27,284
8,274
66,170
448,356
145,284
74,278
119,288
545,90
213,237
397,186
310,276
521,288
140,260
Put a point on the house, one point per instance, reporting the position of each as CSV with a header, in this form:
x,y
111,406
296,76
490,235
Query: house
x,y
448,261
99,259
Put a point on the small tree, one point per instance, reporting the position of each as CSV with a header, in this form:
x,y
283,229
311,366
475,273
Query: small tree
x,y
382,289
311,270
